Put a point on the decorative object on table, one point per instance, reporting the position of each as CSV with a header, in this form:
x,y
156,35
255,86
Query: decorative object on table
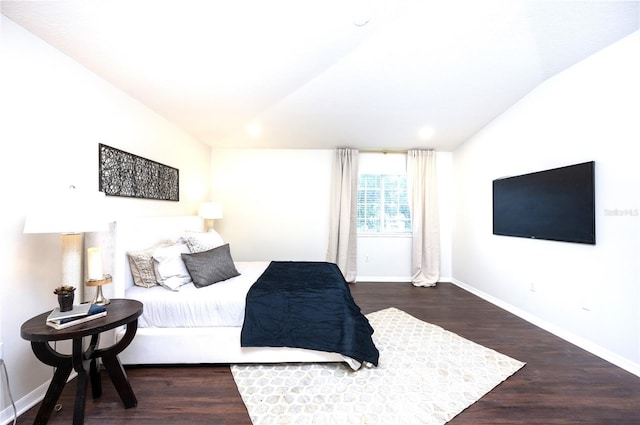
x,y
95,275
100,299
78,310
125,174
92,312
210,211
65,294
70,212
94,263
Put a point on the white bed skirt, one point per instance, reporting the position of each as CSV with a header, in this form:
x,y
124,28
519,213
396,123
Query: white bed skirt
x,y
208,345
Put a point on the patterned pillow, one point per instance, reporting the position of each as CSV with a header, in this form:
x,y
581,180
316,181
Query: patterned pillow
x,y
199,242
141,264
212,266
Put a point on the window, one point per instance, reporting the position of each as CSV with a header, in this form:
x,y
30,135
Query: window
x,y
383,206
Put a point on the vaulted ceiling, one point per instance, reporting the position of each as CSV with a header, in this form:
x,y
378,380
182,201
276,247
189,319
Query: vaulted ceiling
x,y
371,74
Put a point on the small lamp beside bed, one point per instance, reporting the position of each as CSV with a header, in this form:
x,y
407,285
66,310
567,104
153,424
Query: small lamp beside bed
x,y
210,211
96,277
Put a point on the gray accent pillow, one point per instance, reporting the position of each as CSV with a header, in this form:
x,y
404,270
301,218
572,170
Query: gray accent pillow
x,y
209,267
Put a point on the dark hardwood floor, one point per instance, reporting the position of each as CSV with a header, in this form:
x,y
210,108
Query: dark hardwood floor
x,y
561,384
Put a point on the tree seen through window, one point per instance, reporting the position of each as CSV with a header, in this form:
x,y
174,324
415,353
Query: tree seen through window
x,y
383,204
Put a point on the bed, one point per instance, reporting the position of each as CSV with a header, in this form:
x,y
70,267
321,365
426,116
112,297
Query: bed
x,y
180,327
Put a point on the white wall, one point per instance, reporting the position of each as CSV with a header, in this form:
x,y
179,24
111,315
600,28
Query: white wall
x,y
276,207
273,202
54,113
587,294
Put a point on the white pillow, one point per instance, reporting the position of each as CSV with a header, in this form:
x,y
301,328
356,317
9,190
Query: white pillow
x,y
169,267
199,242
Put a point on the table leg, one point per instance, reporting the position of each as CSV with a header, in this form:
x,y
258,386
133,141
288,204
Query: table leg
x,y
94,372
63,365
81,364
114,367
81,397
120,381
96,381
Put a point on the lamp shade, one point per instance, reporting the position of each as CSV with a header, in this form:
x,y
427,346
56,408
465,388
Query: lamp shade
x,y
210,210
69,211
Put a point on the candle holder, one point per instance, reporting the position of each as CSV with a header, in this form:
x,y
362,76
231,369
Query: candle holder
x,y
100,299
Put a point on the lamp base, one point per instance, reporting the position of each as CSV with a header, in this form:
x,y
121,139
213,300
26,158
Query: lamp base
x,y
208,225
100,299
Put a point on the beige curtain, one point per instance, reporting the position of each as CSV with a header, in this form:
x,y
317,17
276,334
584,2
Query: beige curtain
x,y
343,212
423,204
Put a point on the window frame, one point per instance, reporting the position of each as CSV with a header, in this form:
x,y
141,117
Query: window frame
x,y
384,167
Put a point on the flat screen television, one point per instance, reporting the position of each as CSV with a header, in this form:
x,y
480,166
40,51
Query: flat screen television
x,y
556,204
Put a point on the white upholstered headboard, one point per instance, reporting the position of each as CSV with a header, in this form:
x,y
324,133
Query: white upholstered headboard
x,y
133,234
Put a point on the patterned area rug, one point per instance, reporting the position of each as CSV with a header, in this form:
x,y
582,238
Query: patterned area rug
x,y
426,375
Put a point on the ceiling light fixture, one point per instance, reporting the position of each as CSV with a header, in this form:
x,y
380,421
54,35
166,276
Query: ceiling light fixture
x,y
426,133
254,130
361,13
360,20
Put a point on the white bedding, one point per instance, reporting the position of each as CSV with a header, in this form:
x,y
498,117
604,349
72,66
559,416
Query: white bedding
x,y
178,344
219,305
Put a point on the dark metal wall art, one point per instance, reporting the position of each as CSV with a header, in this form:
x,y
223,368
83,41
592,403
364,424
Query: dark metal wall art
x,y
126,174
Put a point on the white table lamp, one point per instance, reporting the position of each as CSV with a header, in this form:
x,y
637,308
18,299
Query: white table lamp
x,y
70,213
210,211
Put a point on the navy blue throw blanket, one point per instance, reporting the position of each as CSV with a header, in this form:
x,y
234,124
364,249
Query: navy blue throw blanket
x,y
306,305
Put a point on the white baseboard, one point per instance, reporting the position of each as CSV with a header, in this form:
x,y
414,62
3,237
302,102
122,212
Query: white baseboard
x,y
392,279
28,401
24,404
378,279
587,345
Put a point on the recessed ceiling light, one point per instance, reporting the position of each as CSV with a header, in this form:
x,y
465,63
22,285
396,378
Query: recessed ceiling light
x,y
360,20
361,12
254,130
426,133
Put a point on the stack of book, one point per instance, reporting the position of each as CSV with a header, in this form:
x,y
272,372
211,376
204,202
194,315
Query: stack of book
x,y
79,314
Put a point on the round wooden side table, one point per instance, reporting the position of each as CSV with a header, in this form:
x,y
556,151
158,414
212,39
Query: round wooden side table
x,y
84,361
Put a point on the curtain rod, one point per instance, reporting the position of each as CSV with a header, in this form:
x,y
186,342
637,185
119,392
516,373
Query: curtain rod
x,y
385,151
